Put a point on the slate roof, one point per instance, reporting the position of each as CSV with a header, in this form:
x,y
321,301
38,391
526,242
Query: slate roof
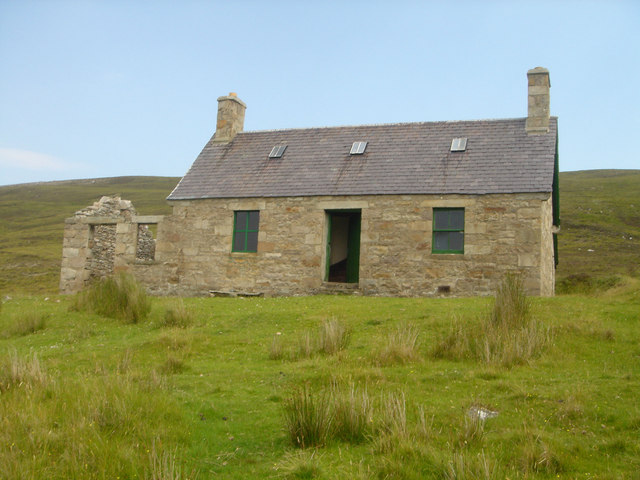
x,y
405,158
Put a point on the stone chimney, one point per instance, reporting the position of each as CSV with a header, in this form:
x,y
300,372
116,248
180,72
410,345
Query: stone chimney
x,y
230,118
538,116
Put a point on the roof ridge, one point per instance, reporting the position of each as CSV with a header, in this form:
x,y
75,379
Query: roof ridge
x,y
328,127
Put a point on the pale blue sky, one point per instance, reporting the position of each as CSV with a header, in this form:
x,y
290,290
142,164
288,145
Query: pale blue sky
x,y
110,88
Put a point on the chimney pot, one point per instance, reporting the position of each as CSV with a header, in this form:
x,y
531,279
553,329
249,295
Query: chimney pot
x,y
538,101
230,118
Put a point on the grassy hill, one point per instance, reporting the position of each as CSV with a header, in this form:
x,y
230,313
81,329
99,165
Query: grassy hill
x,y
600,212
600,223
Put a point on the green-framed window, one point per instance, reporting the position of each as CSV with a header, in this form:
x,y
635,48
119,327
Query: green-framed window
x,y
448,230
245,230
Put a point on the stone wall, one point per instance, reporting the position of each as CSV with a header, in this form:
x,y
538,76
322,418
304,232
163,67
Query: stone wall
x,y
503,233
146,244
101,239
102,246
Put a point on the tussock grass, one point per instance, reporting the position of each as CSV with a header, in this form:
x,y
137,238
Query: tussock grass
x,y
307,346
537,456
402,346
164,465
393,415
353,414
174,340
26,324
178,316
331,337
507,335
301,464
276,348
472,466
26,372
471,432
334,337
120,296
172,365
308,417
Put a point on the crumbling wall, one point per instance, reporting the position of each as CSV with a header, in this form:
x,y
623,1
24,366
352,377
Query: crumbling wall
x,y
102,245
103,238
146,247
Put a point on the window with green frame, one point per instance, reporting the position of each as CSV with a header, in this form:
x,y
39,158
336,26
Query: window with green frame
x,y
245,231
448,230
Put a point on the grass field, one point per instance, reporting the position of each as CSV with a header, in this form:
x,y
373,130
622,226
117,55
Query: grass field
x,y
84,396
600,214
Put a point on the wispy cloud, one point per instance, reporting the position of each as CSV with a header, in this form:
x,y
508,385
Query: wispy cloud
x,y
28,160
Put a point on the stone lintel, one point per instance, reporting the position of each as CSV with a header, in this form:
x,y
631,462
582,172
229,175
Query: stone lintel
x,y
342,205
97,220
147,218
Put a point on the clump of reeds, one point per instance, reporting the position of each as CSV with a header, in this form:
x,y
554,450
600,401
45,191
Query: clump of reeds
x,y
17,371
178,316
506,335
26,324
402,346
308,417
334,336
120,296
331,337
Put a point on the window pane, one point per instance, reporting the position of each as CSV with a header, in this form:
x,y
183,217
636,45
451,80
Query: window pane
x,y
456,241
440,218
238,242
252,242
456,219
440,240
241,220
254,220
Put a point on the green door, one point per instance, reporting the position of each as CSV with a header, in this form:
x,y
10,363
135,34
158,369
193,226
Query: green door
x,y
353,256
328,257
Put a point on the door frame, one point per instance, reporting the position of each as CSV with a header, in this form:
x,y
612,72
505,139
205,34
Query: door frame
x,y
353,242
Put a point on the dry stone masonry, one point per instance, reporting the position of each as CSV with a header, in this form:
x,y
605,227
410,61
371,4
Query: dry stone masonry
x,y
102,245
103,238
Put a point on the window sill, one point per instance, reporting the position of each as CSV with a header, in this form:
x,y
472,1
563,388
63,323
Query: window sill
x,y
139,261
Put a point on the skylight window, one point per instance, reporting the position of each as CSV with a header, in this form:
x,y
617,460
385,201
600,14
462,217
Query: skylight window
x,y
277,151
458,144
358,148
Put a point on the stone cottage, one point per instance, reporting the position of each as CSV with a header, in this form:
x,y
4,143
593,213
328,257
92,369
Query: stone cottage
x,y
409,209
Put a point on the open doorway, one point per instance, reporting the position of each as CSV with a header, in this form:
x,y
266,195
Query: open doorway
x,y
343,246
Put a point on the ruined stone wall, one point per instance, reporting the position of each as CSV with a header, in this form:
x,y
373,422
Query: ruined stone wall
x,y
102,245
146,244
502,233
101,239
